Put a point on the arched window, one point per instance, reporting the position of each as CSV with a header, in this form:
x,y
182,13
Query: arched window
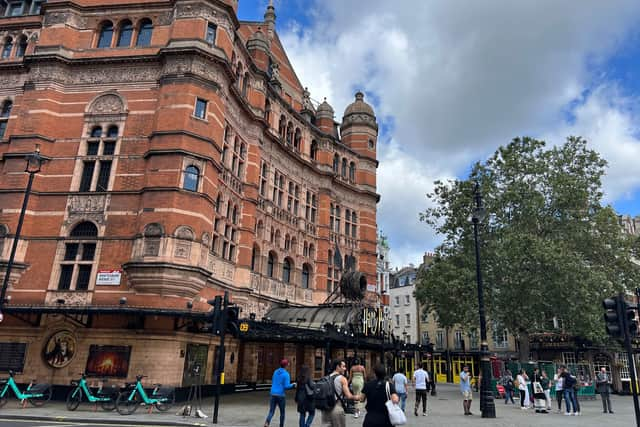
x,y
106,34
352,172
305,249
290,133
191,177
234,218
336,164
245,84
354,222
255,258
314,150
297,139
239,74
286,270
112,132
96,132
277,241
7,48
294,245
305,276
344,167
22,46
271,262
5,113
144,33
219,203
79,254
312,251
282,126
287,242
125,34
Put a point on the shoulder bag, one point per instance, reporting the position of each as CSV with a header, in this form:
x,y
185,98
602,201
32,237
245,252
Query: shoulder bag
x,y
396,416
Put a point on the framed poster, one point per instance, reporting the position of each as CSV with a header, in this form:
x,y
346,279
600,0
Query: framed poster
x,y
60,349
108,361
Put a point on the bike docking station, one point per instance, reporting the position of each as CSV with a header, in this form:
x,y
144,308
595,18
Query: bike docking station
x,y
35,394
194,399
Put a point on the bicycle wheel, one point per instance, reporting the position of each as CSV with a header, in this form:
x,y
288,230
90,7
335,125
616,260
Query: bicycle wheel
x,y
41,400
108,405
126,406
3,400
167,404
74,400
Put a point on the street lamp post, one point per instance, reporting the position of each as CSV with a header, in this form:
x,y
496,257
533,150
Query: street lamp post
x,y
487,404
34,163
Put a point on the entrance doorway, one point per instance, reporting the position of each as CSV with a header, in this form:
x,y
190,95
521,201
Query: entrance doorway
x,y
269,356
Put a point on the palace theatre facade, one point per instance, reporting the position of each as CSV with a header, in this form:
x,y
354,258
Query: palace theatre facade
x,y
184,159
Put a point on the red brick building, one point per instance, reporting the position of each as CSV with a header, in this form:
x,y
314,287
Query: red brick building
x,y
185,158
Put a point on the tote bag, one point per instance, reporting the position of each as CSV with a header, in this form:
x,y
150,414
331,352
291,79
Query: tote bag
x,y
396,416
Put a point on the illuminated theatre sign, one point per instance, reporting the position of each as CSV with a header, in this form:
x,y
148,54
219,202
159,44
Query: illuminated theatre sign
x,y
375,322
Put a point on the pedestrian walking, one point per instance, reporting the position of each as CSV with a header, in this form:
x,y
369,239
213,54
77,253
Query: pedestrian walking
x,y
375,393
569,393
522,379
400,383
336,416
420,379
507,383
280,383
356,380
603,386
465,389
304,397
558,381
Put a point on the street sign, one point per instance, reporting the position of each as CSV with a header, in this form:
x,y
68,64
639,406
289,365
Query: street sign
x,y
109,277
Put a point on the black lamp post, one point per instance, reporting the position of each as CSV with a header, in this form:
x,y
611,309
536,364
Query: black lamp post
x,y
34,163
487,405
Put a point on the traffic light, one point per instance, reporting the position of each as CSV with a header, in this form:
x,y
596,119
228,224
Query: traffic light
x,y
215,315
613,316
630,317
233,321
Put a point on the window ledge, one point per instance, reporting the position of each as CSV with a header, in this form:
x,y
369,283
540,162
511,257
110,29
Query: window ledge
x,y
199,118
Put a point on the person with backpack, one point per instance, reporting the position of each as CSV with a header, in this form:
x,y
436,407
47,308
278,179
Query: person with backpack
x,y
280,383
304,397
375,393
333,409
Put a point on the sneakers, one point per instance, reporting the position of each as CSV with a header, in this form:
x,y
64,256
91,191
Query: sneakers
x,y
424,414
568,413
577,413
356,415
415,413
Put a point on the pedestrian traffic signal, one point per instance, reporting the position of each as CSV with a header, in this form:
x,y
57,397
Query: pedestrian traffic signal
x,y
613,317
233,321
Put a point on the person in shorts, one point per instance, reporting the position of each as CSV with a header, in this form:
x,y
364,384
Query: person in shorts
x,y
465,388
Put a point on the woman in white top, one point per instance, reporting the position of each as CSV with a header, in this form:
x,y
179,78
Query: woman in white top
x,y
558,380
522,388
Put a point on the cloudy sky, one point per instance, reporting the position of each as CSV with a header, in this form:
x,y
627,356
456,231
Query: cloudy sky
x,y
451,80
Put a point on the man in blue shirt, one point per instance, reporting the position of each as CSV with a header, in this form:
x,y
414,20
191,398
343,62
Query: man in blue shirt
x,y
280,382
465,388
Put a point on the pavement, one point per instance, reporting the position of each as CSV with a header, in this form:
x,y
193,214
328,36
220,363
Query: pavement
x,y
250,409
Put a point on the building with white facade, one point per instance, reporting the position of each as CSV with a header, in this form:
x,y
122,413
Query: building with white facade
x,y
383,270
402,304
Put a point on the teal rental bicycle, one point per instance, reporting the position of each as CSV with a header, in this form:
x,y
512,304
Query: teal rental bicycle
x,y
106,398
133,395
36,394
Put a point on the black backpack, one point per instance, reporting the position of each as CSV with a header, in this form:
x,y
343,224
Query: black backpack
x,y
324,393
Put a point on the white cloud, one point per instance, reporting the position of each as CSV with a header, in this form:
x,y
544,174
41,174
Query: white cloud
x,y
457,79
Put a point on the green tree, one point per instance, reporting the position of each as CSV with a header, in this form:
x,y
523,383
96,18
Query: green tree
x,y
549,247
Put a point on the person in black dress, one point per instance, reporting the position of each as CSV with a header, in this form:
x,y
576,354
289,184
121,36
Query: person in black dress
x,y
375,394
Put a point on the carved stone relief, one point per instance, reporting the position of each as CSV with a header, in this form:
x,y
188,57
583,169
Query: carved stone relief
x,y
107,104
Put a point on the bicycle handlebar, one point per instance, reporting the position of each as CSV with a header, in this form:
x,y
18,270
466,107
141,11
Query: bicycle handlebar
x,y
140,377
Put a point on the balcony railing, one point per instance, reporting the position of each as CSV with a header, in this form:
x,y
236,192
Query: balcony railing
x,y
277,289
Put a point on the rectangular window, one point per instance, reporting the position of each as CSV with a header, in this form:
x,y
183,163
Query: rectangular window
x,y
92,148
397,300
103,176
407,299
3,128
84,276
201,108
87,176
71,251
211,33
407,319
66,272
109,148
88,251
397,320
440,339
